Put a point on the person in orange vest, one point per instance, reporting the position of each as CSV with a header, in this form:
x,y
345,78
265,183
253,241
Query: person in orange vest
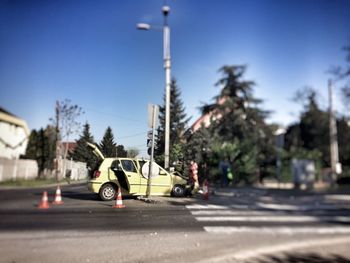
x,y
194,177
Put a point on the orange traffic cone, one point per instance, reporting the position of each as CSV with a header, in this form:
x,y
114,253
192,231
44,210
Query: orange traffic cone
x,y
44,204
119,201
205,189
58,197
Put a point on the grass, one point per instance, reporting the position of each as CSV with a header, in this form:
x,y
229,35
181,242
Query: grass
x,y
28,183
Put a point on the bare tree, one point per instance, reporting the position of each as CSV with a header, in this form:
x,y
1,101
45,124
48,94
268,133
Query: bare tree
x,y
67,124
133,152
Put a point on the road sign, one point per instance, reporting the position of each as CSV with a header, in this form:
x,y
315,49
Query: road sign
x,y
150,134
153,111
145,169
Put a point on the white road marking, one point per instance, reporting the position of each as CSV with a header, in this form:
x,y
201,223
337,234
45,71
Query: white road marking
x,y
257,219
277,230
229,213
206,207
291,246
273,218
337,197
298,207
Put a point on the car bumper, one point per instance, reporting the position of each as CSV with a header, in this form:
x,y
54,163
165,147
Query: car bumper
x,y
94,186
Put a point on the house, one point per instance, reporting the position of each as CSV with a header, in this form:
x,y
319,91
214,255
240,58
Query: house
x,y
206,118
14,135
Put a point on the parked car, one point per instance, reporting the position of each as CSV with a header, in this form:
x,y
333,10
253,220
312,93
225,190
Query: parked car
x,y
131,176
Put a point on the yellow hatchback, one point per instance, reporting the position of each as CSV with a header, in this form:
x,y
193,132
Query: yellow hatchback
x,y
131,176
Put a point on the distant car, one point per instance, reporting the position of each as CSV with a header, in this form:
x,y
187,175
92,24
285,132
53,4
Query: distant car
x,y
131,175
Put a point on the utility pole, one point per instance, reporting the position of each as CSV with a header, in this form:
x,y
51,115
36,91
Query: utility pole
x,y
167,67
333,134
154,112
57,139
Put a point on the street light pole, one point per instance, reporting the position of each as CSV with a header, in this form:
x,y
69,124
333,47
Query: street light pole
x,y
167,68
333,134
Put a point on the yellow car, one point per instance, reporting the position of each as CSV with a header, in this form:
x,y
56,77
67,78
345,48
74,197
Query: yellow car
x,y
131,176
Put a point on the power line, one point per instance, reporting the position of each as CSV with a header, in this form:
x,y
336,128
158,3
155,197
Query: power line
x,y
112,114
132,135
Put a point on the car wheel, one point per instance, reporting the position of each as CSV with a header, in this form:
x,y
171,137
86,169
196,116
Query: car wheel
x,y
108,192
178,191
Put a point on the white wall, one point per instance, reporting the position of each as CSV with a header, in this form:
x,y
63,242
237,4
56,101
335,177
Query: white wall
x,y
17,169
13,140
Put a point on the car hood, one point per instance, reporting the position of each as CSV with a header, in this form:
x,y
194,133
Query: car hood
x,y
95,150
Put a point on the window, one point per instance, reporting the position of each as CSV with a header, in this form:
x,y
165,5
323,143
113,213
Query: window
x,y
128,166
116,165
141,163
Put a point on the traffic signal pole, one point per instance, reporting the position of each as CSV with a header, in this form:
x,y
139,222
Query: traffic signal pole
x,y
149,181
333,134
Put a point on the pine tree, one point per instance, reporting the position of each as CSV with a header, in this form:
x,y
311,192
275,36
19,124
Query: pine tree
x,y
31,150
82,153
121,152
309,138
41,147
107,145
178,123
238,122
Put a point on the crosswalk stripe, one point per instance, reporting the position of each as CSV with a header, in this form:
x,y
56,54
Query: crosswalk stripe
x,y
297,207
256,219
229,213
273,213
275,219
277,230
206,207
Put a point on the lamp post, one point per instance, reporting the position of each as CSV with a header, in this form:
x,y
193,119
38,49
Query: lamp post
x,y
334,152
279,133
167,68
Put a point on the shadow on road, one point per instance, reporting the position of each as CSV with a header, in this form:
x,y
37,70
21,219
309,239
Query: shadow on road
x,y
302,258
86,196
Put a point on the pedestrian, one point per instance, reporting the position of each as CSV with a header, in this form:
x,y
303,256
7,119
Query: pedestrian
x,y
223,167
194,177
230,176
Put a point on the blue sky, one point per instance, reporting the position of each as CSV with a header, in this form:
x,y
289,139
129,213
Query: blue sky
x,y
91,53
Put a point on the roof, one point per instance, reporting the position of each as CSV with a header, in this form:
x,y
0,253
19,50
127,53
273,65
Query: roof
x,y
8,117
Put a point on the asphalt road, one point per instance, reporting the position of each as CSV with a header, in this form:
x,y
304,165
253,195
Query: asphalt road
x,y
234,225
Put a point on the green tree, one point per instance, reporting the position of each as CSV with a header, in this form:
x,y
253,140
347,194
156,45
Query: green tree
x,y
342,74
178,124
41,147
121,152
107,145
32,146
82,153
237,117
311,133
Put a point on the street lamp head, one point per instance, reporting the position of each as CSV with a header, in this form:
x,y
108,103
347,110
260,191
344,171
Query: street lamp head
x,y
166,10
143,26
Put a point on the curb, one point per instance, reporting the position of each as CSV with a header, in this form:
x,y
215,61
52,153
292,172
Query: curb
x,y
63,183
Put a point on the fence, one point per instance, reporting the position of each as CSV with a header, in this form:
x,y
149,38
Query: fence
x,y
76,170
13,169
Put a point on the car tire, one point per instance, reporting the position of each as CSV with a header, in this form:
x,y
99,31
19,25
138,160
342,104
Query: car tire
x,y
178,191
108,192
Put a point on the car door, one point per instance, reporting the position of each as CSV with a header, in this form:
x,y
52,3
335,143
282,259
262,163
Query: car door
x,y
161,181
131,174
